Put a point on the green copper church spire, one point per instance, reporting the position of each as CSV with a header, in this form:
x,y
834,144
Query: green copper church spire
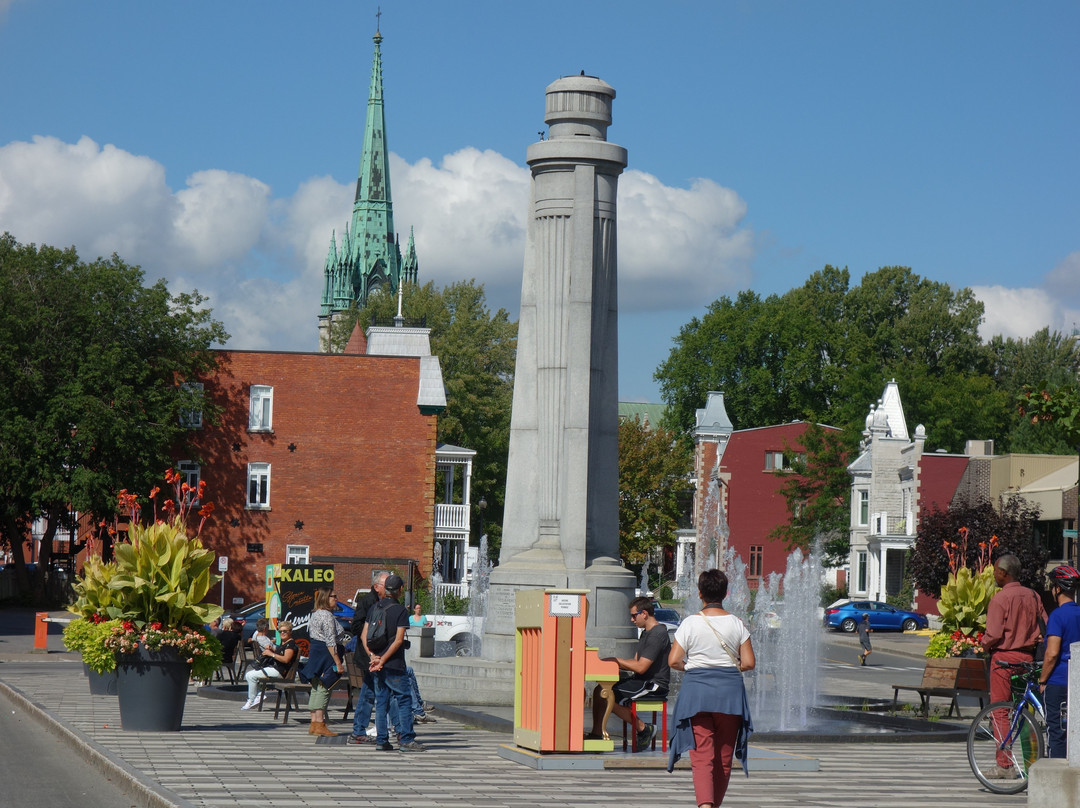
x,y
368,254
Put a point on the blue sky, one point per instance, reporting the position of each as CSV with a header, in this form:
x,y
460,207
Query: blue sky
x,y
216,144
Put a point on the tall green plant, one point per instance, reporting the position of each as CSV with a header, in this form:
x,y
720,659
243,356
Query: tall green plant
x,y
965,599
162,577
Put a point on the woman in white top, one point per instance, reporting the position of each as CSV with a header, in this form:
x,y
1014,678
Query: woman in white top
x,y
712,714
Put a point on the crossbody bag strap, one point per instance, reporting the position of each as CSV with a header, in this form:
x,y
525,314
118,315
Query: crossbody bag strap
x,y
723,643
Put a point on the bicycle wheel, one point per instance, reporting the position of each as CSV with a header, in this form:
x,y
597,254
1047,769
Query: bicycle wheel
x,y
1002,744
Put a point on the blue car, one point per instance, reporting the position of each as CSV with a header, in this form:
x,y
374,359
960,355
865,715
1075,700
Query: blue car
x,y
847,614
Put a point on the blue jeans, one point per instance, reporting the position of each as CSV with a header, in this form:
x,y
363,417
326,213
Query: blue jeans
x,y
1056,697
415,701
392,701
365,703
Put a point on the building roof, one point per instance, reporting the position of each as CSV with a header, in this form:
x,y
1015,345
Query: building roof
x,y
648,414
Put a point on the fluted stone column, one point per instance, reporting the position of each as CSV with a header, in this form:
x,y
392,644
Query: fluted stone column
x,y
561,521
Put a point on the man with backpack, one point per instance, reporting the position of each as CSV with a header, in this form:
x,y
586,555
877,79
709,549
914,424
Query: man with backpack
x,y
383,638
365,699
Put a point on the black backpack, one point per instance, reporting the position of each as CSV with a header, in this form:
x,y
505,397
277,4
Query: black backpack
x,y
378,633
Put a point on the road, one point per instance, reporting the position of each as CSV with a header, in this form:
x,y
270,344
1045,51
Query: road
x,y
38,770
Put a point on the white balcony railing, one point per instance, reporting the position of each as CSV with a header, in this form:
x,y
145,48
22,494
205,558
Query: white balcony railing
x,y
452,517
461,590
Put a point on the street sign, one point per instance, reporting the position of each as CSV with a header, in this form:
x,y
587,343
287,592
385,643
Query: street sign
x,y
222,563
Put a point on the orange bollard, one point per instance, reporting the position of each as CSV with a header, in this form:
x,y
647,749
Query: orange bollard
x,y
41,633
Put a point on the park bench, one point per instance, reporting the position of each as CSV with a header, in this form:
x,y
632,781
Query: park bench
x,y
952,678
288,687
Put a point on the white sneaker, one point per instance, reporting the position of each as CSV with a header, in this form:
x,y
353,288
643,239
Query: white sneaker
x,y
249,704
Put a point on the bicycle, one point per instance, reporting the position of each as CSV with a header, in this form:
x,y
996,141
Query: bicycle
x,y
1007,737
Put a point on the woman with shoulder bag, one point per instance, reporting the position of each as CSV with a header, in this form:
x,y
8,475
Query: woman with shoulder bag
x,y
712,713
325,664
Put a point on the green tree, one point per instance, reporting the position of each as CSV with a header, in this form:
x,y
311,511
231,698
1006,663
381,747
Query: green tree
x,y
824,351
1013,525
818,491
1046,360
476,349
654,486
91,362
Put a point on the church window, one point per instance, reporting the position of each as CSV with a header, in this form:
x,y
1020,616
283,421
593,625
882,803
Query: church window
x,y
262,408
756,553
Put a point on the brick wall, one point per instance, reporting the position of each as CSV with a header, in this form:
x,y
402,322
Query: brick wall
x,y
351,458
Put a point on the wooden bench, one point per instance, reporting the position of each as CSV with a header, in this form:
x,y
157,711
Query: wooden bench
x,y
950,678
288,687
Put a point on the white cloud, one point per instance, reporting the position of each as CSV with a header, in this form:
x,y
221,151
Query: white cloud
x,y
679,246
1064,279
1019,313
260,259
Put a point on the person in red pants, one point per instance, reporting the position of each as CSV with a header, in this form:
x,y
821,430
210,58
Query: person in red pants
x,y
1014,625
712,714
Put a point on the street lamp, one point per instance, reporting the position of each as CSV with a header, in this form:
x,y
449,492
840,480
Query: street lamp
x,y
482,505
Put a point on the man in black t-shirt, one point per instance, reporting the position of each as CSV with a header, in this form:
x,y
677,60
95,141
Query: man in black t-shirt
x,y
393,699
649,674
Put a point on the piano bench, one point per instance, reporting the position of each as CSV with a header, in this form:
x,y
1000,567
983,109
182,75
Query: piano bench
x,y
645,706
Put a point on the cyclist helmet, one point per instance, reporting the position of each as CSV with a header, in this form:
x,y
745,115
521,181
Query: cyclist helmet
x,y
1065,577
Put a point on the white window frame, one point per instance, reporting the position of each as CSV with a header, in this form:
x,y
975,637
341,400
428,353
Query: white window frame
x,y
862,572
261,408
864,507
259,474
190,473
191,419
296,554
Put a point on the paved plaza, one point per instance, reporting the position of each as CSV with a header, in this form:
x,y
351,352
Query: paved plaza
x,y
226,757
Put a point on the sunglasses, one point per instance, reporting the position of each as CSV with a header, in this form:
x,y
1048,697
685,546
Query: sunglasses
x,y
633,616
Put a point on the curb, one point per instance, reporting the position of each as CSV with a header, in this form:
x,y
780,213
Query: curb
x,y
143,792
472,718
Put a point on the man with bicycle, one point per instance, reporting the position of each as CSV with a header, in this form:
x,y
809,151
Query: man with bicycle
x,y
1062,630
1014,626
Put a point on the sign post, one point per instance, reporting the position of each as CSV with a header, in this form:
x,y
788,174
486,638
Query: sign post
x,y
222,567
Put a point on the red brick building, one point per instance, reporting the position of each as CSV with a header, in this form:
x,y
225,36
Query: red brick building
x,y
748,484
321,458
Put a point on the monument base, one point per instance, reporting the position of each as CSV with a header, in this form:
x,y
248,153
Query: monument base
x,y
611,588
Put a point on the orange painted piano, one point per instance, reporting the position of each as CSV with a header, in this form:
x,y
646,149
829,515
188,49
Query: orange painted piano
x,y
553,667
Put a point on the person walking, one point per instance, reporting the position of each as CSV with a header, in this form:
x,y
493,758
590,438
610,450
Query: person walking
x,y
864,638
1062,630
1014,622
712,714
325,662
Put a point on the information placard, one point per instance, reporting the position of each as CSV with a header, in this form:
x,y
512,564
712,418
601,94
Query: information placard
x,y
564,605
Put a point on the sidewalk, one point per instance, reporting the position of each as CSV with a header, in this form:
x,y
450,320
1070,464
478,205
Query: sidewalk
x,y
224,757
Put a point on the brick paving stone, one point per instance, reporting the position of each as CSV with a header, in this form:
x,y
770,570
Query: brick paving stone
x,y
224,757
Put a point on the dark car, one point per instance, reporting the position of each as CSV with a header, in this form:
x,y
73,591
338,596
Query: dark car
x,y
846,615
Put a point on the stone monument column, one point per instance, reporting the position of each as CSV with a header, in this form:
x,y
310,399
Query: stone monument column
x,y
561,521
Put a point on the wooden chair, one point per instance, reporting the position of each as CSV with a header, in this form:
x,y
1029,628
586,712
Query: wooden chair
x,y
356,681
247,659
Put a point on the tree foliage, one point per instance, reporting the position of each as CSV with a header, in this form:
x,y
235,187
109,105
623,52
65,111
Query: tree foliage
x,y
824,351
1013,524
1046,361
818,491
654,486
476,349
90,365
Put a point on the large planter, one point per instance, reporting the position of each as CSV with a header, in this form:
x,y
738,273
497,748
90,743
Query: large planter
x,y
101,684
152,686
